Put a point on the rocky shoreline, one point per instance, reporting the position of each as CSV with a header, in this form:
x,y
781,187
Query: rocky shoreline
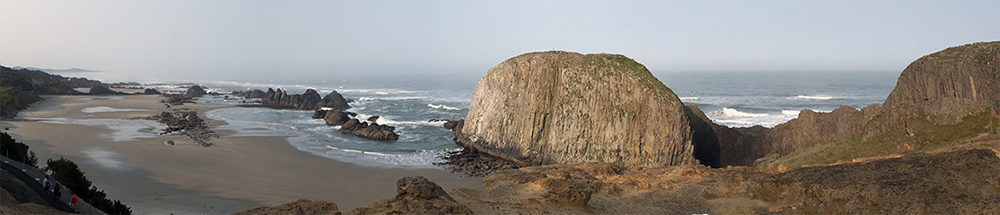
x,y
931,148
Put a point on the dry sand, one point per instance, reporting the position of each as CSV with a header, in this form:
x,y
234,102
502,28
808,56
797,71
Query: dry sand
x,y
235,174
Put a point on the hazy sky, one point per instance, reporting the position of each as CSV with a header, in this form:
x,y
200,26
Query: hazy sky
x,y
138,40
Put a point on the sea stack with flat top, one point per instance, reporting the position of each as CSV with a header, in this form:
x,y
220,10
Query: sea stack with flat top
x,y
563,107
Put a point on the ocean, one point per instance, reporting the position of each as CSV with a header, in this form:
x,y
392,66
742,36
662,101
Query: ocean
x,y
409,102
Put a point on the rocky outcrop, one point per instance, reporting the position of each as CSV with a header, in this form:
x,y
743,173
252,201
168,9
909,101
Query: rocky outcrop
x,y
102,90
970,72
298,207
811,128
415,195
249,94
962,181
151,91
187,123
333,117
371,131
929,108
56,87
470,163
195,91
561,107
310,100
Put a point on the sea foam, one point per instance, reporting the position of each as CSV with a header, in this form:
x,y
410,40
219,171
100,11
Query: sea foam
x,y
105,109
815,97
442,107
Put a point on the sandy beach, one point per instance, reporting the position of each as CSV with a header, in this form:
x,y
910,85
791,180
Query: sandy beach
x,y
235,174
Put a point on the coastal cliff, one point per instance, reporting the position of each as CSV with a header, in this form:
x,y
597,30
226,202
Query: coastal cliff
x,y
943,99
924,151
562,107
969,71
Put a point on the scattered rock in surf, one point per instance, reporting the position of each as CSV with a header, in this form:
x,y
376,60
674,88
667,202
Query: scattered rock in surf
x,y
333,117
373,119
371,131
310,100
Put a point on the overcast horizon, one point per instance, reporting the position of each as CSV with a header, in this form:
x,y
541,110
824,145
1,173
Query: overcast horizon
x,y
216,40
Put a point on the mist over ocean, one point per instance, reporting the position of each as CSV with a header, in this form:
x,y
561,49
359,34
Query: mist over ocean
x,y
409,101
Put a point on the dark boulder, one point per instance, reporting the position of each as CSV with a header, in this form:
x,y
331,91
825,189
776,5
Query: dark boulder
x,y
333,117
196,91
335,100
249,94
371,131
102,90
151,91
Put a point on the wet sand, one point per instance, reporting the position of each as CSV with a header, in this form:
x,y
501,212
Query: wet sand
x,y
235,174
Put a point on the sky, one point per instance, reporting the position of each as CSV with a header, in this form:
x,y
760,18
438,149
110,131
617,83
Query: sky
x,y
218,40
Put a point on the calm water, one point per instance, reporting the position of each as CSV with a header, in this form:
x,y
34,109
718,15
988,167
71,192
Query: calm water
x,y
408,101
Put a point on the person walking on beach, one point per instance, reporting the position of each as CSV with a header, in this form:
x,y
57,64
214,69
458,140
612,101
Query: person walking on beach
x,y
46,184
56,191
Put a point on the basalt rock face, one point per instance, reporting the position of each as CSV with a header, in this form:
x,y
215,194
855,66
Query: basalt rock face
x,y
310,100
102,90
719,146
812,128
932,93
970,72
560,107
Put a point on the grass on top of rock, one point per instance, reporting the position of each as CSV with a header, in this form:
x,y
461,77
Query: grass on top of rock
x,y
623,63
927,136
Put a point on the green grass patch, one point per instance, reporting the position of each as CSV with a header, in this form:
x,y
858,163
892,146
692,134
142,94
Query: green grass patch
x,y
927,136
623,63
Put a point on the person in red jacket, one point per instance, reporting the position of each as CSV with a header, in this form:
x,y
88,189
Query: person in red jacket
x,y
74,200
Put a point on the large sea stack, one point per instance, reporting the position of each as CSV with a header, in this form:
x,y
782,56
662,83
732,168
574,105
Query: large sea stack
x,y
562,107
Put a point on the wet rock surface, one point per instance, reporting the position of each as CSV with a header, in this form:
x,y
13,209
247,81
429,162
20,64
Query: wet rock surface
x,y
471,163
309,100
333,117
371,131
